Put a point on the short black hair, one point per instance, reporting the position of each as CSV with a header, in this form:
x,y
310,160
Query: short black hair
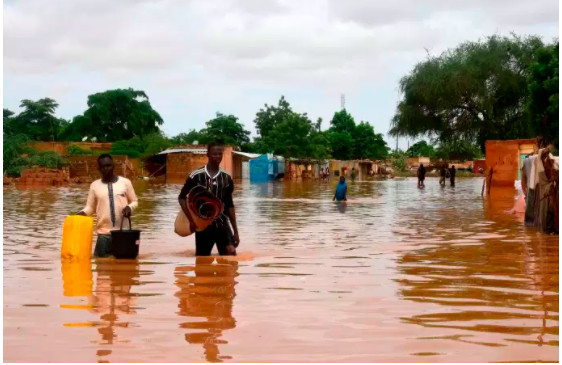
x,y
214,144
104,155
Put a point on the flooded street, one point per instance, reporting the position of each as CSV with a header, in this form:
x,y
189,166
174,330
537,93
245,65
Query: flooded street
x,y
396,275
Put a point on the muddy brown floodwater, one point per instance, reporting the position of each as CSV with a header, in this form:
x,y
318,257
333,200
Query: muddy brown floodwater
x,y
396,275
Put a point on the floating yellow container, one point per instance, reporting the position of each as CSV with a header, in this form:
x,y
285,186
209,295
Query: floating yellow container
x,y
77,234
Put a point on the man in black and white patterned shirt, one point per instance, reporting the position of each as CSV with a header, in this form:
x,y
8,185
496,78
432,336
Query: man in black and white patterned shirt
x,y
220,183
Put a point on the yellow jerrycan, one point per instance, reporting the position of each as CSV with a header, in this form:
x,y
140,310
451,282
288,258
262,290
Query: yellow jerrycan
x,y
77,234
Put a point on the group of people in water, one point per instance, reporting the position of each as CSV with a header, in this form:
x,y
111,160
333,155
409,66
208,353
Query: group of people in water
x,y
112,198
445,173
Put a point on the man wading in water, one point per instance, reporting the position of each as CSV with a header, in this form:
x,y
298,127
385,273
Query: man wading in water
x,y
421,176
219,182
341,190
111,198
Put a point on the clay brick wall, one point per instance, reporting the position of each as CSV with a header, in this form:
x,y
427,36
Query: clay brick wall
x,y
86,167
179,165
43,177
504,158
62,147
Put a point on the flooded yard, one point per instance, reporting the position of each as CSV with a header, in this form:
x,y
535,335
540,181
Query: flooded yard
x,y
396,275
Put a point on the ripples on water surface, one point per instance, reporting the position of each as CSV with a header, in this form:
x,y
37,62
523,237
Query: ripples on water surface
x,y
397,274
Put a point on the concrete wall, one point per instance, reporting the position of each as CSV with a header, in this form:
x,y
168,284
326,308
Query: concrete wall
x,y
504,158
85,168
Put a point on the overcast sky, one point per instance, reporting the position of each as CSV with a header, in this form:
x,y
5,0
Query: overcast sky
x,y
194,58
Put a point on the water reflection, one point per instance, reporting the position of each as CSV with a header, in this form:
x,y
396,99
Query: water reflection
x,y
206,294
113,299
500,287
77,278
341,207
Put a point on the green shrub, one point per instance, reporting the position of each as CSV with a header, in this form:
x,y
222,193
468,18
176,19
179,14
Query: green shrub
x,y
47,159
19,156
74,150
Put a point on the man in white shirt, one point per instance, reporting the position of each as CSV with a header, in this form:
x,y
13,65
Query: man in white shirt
x,y
111,198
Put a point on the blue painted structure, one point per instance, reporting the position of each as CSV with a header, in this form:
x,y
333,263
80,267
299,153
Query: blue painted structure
x,y
259,169
266,167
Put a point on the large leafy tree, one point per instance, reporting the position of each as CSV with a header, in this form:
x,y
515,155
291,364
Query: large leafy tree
x,y
342,126
472,93
37,120
270,116
193,136
9,127
225,128
458,150
354,141
421,148
296,137
115,115
368,144
543,94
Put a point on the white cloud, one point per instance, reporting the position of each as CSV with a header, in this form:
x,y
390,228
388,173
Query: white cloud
x,y
194,58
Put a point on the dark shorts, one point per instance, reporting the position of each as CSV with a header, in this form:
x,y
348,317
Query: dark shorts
x,y
103,246
205,240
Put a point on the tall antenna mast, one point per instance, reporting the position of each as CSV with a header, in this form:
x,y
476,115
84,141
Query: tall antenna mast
x,y
342,101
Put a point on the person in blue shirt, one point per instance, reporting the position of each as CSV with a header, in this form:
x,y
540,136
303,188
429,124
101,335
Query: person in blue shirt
x,y
341,190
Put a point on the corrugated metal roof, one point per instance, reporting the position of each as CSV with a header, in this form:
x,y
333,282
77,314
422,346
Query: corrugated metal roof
x,y
247,154
197,151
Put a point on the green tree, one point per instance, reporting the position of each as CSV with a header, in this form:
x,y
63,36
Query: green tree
x,y
291,138
542,105
136,147
37,120
193,136
342,126
225,128
116,115
270,116
421,148
367,144
17,155
319,145
341,144
342,121
9,127
474,92
458,150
